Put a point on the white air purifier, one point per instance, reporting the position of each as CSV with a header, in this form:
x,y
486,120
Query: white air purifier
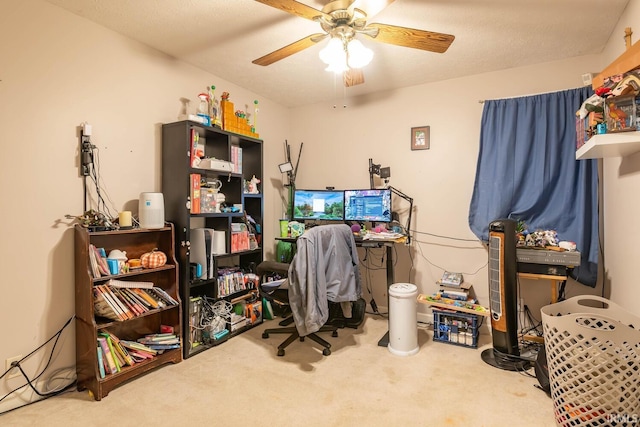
x,y
151,210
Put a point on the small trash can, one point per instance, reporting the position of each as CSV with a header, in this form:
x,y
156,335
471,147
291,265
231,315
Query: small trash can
x,y
403,319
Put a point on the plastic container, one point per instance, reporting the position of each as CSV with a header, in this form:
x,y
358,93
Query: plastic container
x,y
455,328
593,356
403,319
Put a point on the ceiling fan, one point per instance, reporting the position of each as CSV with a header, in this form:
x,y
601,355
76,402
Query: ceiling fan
x,y
343,20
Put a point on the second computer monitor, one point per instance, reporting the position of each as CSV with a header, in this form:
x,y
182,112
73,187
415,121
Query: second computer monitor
x,y
367,205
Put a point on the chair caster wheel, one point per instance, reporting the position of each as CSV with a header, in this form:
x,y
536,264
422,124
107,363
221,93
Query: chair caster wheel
x,y
326,352
334,334
301,339
265,335
280,352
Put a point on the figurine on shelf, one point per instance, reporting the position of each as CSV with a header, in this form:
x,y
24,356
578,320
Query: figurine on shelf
x,y
251,186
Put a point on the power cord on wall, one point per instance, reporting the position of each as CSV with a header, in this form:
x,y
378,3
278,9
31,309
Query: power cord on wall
x,y
30,381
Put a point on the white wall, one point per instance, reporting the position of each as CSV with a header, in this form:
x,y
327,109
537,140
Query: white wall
x,y
59,70
621,180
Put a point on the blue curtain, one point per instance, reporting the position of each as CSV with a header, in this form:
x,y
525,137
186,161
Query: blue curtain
x,y
527,170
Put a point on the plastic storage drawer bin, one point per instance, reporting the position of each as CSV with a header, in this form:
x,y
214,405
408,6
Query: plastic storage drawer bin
x,y
455,328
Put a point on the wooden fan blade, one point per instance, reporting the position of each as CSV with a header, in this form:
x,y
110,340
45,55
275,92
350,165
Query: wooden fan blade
x,y
410,37
353,76
371,7
289,50
295,8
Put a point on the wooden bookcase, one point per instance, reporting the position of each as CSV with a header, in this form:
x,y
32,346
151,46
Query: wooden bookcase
x,y
177,172
135,242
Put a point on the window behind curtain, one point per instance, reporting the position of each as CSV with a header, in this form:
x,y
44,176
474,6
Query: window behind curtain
x,y
527,170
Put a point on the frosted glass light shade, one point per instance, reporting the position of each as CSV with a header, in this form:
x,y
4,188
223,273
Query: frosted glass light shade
x,y
333,52
340,58
358,55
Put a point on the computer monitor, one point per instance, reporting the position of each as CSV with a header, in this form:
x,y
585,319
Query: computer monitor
x,y
367,205
326,205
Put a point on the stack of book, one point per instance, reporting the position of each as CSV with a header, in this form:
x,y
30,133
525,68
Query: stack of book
x,y
98,261
112,354
160,342
453,287
236,158
124,300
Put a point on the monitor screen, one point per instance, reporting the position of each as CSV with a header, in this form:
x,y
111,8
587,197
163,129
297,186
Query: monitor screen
x,y
325,205
367,205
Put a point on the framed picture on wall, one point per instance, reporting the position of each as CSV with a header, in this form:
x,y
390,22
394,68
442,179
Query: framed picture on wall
x,y
420,138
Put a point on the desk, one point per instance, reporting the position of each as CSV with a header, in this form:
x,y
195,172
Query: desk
x,y
388,244
552,278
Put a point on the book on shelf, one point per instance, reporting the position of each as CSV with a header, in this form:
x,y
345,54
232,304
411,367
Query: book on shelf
x,y
197,149
138,348
106,353
451,279
95,269
120,350
100,361
129,284
144,296
161,294
120,306
103,307
159,339
121,296
451,294
101,260
194,178
236,158
133,304
195,329
162,347
124,303
141,305
116,357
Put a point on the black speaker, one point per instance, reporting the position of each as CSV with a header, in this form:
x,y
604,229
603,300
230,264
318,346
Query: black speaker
x,y
503,286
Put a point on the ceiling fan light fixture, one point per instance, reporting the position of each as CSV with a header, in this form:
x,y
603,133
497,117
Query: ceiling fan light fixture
x,y
358,55
341,53
333,51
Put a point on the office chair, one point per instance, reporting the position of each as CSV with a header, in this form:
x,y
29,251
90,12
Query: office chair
x,y
323,279
278,297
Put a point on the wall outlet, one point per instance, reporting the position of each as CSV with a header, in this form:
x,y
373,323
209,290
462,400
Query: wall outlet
x,y
15,372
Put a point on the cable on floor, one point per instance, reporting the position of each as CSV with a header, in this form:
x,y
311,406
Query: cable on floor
x,y
31,381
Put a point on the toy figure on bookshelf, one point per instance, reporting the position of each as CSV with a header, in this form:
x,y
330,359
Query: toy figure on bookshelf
x,y
251,186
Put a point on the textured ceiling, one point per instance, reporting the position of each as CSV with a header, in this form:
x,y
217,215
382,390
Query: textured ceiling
x,y
224,36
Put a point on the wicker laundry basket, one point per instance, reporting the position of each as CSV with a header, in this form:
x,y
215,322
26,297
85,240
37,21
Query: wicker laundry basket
x,y
593,355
